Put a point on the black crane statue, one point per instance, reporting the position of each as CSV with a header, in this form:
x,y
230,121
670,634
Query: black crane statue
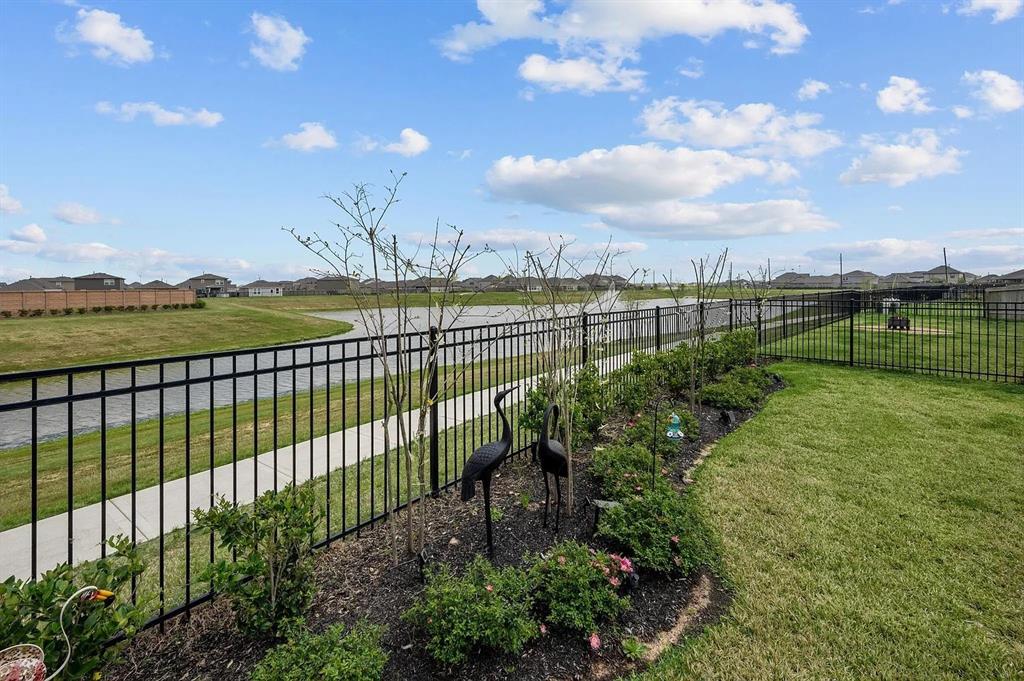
x,y
552,460
485,459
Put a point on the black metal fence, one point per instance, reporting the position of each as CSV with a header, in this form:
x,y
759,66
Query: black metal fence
x,y
135,447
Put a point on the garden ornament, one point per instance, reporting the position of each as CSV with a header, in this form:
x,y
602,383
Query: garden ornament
x,y
24,662
552,460
484,461
673,428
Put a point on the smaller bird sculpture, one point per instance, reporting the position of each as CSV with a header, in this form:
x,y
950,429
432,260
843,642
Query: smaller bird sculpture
x,y
552,460
484,461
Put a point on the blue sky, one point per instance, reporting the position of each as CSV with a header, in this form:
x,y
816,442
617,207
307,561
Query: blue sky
x,y
161,139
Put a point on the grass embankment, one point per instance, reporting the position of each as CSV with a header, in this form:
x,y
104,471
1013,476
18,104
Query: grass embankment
x,y
870,527
45,342
942,338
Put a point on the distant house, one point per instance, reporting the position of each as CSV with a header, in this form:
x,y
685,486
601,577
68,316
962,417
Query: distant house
x,y
262,288
859,279
99,281
333,284
206,284
998,280
42,284
134,285
566,284
943,273
156,284
601,282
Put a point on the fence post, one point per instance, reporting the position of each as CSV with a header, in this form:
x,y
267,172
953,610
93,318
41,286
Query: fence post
x,y
657,328
730,314
435,483
851,330
585,337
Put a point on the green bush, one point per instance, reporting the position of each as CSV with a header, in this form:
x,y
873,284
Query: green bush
x,y
270,585
660,530
68,310
30,611
54,312
486,607
81,310
97,308
108,308
576,587
639,428
588,413
22,312
37,313
199,304
6,313
624,471
130,308
330,656
166,306
741,388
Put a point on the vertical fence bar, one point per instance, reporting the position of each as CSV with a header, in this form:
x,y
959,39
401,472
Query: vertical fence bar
x,y
435,483
35,478
103,464
71,470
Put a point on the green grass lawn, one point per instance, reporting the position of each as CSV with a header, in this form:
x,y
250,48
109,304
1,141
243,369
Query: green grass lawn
x,y
871,526
45,342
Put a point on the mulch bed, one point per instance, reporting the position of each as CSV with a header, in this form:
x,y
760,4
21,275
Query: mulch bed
x,y
356,579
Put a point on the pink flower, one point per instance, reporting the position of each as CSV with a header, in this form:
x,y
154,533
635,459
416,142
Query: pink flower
x,y
626,564
561,560
675,538
543,630
614,581
638,488
490,588
595,642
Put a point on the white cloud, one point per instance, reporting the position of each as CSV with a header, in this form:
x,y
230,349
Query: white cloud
x,y
410,143
694,68
279,45
962,112
989,233
641,189
583,74
811,89
998,91
160,116
623,174
621,26
760,128
1001,9
914,156
461,155
8,204
77,214
109,39
903,95
31,233
311,136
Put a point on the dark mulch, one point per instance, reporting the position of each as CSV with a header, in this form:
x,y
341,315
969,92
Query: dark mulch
x,y
356,579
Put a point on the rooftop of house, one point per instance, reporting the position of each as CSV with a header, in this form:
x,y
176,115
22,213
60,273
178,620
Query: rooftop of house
x,y
99,275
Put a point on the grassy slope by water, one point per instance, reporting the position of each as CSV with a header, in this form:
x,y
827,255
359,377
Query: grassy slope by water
x,y
871,528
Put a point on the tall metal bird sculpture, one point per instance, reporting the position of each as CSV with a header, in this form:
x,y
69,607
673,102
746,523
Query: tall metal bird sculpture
x,y
552,460
483,463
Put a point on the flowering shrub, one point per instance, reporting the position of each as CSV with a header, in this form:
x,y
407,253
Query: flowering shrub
x,y
588,412
624,471
271,582
486,607
741,388
661,530
576,587
30,610
330,656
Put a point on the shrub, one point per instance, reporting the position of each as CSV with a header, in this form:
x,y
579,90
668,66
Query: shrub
x,y
30,611
176,306
96,308
639,428
660,530
120,308
6,313
624,471
576,586
270,584
166,306
588,413
108,308
68,310
130,308
143,307
54,312
37,313
22,312
486,607
741,388
80,310
199,304
330,656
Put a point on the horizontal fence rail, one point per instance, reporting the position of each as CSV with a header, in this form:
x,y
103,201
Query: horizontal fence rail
x,y
135,447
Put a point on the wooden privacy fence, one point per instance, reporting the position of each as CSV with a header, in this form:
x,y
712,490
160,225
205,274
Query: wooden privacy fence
x,y
13,301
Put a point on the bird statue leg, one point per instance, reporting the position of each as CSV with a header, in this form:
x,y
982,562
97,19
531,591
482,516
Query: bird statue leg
x,y
558,503
487,514
547,496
